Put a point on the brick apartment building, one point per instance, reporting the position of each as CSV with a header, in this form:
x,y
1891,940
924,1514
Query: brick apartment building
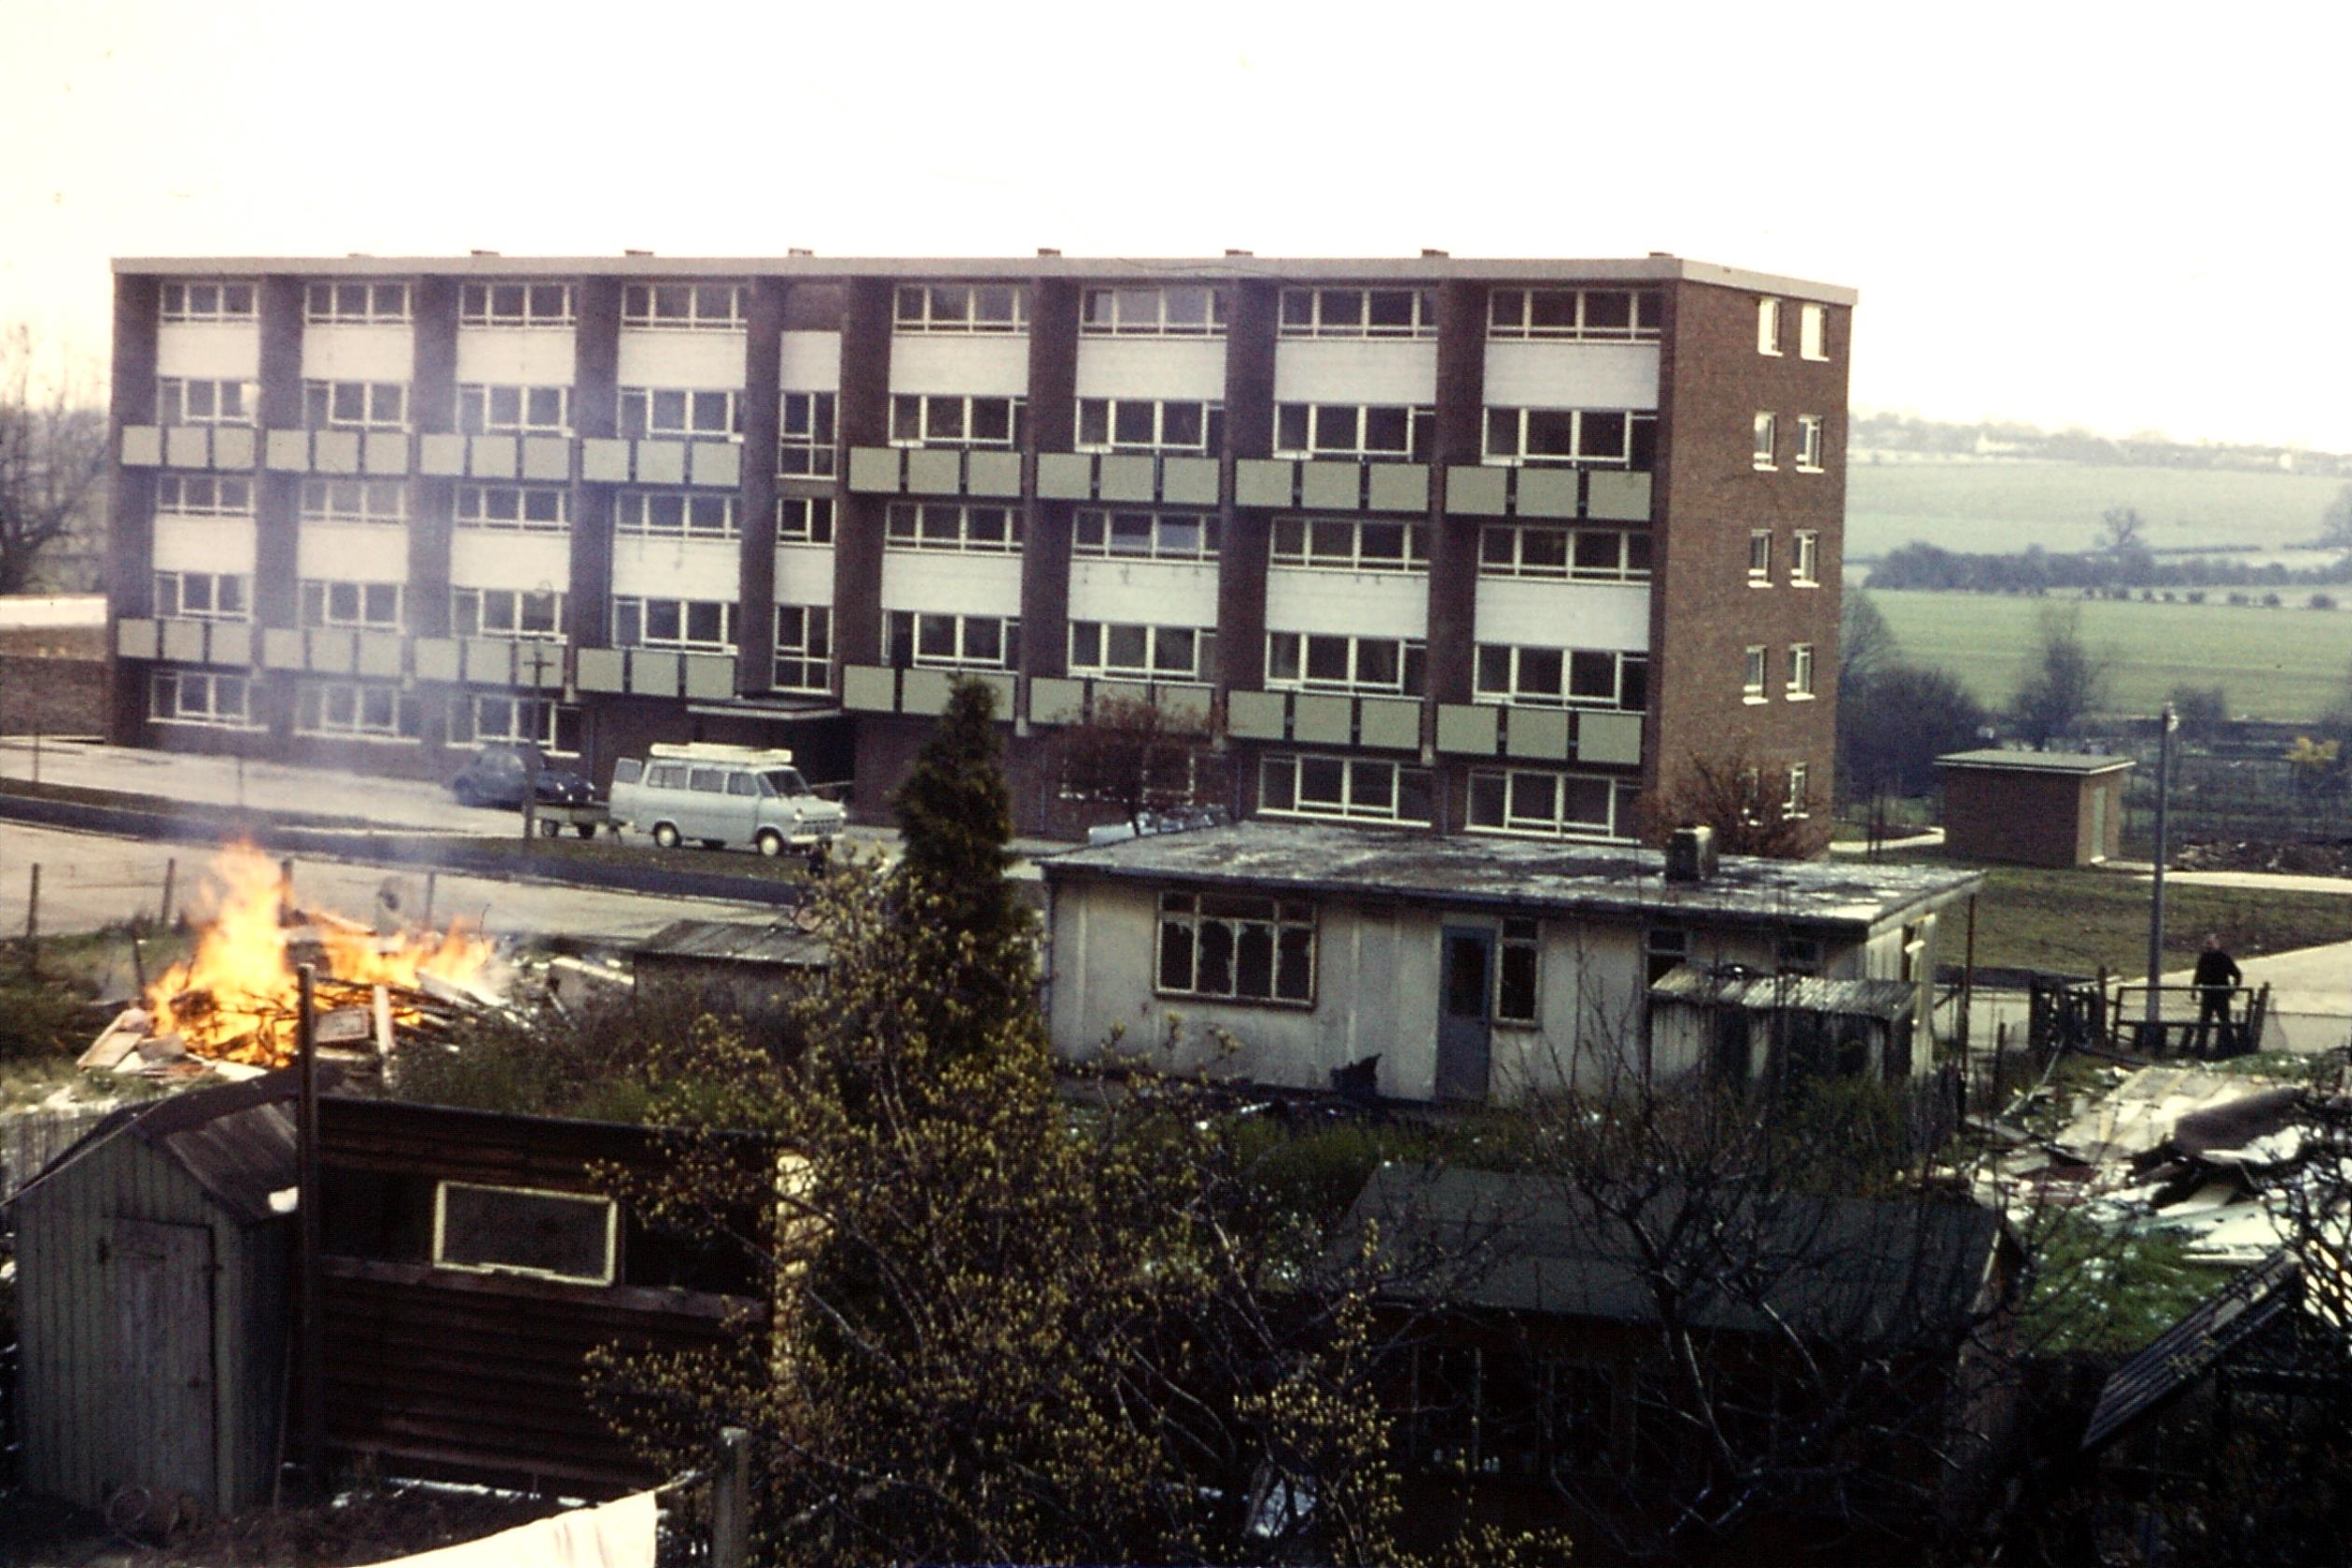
x,y
1481,545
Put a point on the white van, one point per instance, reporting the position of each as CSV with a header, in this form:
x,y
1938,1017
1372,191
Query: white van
x,y
723,797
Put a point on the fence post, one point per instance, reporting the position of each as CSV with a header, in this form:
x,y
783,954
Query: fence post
x,y
430,878
731,1500
171,874
33,910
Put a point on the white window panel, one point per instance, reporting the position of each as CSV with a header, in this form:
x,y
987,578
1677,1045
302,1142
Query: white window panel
x,y
1151,367
992,367
805,574
352,552
1604,614
226,351
1355,372
1572,375
1387,604
810,362
660,358
686,567
205,544
962,584
525,359
483,559
359,353
1160,591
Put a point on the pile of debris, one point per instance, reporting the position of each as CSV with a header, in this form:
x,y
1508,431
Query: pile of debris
x,y
2327,858
233,1009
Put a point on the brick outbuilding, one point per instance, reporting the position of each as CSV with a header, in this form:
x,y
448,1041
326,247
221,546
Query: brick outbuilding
x,y
2048,808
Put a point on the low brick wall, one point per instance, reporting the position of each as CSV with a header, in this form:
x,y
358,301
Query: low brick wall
x,y
52,695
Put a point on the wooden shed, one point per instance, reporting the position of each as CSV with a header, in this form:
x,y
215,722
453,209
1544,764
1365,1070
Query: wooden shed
x,y
2046,808
152,1271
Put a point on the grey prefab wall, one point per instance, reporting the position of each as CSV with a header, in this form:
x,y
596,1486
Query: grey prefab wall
x,y
151,1309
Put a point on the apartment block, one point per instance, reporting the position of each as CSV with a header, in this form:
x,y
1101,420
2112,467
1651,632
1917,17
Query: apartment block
x,y
1484,546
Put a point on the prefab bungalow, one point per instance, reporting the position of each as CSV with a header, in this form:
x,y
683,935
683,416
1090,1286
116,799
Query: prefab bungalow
x,y
1473,967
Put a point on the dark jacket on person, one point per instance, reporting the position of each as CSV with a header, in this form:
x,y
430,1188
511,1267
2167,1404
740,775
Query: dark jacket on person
x,y
2217,968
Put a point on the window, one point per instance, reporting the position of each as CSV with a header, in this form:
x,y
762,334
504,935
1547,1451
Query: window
x,y
705,306
204,495
1349,788
515,1230
670,411
805,439
187,595
182,401
1812,331
1143,424
1586,554
1759,572
951,641
1173,310
1612,437
1795,803
375,605
514,506
1606,314
804,520
363,405
1350,544
961,307
1751,677
355,500
1545,804
989,530
705,625
516,304
356,304
674,514
1804,564
1768,327
1809,443
1562,677
1237,946
1144,536
804,648
1316,661
185,697
1663,949
1378,433
206,302
946,419
1767,436
1517,996
497,411
1141,652
1801,669
1359,313
486,718
360,709
505,613
1799,955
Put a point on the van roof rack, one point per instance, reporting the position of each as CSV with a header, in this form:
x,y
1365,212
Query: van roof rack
x,y
714,752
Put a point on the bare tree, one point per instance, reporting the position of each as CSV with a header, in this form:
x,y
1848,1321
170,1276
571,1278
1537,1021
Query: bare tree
x,y
2065,680
2335,523
1751,804
2122,528
1138,756
52,457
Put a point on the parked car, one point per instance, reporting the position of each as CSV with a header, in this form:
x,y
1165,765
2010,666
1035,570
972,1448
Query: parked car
x,y
494,776
727,797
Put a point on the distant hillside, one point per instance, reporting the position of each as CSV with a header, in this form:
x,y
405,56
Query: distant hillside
x,y
1882,437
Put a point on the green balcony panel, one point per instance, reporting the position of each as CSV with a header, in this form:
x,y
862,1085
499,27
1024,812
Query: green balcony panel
x,y
184,641
441,455
601,669
1128,478
709,677
1322,720
1101,691
924,691
1331,486
1393,723
653,673
1476,491
335,452
1002,688
715,464
232,448
1055,700
1538,733
187,446
996,474
1189,481
1466,729
385,452
437,659
1258,715
604,461
1547,492
540,662
142,446
1617,497
869,688
660,462
489,661
547,458
1065,476
874,469
934,473
1188,705
1612,739
138,639
231,645
1263,482
282,648
380,655
333,650
287,451
1400,487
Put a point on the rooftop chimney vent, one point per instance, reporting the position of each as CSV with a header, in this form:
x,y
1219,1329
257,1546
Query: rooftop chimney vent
x,y
485,253
1690,855
1049,251
1232,252
637,253
800,250
1428,254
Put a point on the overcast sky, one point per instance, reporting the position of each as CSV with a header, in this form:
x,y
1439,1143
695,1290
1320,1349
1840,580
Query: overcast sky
x,y
2057,213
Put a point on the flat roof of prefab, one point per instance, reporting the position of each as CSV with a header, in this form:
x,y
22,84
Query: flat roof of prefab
x,y
2035,762
1526,875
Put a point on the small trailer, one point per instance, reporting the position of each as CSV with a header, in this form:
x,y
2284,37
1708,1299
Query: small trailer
x,y
584,818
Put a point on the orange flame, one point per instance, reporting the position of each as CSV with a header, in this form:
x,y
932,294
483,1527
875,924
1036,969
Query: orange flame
x,y
237,996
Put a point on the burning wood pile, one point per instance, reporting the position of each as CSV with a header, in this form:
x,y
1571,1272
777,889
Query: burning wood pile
x,y
233,1007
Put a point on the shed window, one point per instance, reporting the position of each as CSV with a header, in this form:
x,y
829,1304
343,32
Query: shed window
x,y
1251,949
517,1231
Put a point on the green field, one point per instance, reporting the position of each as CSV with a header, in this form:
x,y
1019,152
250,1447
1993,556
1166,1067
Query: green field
x,y
2273,664
2003,506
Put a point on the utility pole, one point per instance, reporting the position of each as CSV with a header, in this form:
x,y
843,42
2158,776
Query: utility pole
x,y
531,746
2164,728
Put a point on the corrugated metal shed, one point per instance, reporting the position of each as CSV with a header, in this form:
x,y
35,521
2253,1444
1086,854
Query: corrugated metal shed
x,y
736,942
2192,1347
153,1301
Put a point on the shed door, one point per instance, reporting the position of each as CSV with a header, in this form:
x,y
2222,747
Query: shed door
x,y
1463,1028
164,1406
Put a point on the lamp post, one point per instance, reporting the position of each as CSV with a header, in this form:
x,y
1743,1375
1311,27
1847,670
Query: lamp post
x,y
2164,728
531,744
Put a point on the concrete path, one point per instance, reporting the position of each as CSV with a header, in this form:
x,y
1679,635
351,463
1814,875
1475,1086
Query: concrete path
x,y
385,803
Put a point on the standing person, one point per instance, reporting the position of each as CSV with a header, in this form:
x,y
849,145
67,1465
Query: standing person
x,y
2218,976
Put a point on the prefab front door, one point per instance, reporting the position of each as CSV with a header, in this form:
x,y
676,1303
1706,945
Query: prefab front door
x,y
1464,1021
163,1357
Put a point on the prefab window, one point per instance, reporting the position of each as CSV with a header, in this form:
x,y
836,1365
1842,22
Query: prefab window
x,y
520,1230
1237,946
